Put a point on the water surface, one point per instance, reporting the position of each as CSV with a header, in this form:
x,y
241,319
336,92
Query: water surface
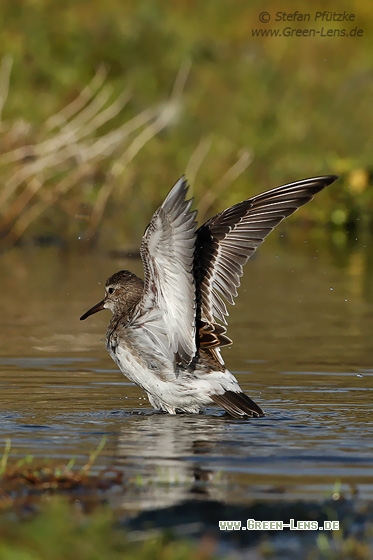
x,y
302,331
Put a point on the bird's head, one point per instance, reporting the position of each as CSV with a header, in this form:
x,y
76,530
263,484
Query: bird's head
x,y
122,291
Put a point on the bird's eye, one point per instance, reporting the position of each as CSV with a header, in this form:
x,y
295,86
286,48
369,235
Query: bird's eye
x,y
111,290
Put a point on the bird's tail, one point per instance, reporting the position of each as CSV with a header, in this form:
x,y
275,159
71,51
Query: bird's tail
x,y
238,405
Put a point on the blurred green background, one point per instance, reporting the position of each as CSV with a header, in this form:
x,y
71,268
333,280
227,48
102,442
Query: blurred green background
x,y
104,105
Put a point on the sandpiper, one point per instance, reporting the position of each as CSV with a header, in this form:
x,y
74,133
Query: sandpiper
x,y
166,331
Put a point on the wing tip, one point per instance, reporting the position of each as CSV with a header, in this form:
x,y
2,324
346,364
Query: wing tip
x,y
329,179
325,180
179,190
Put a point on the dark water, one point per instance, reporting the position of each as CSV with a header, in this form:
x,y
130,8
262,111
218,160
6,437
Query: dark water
x,y
303,349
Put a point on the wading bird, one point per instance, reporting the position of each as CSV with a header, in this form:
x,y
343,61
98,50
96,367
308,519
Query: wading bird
x,y
166,331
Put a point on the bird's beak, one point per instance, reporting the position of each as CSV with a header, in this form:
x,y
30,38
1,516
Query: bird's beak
x,y
98,307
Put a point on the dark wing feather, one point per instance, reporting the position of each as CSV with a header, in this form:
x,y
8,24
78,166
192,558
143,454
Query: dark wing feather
x,y
226,241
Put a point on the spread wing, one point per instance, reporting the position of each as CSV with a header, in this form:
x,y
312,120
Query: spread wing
x,y
225,243
167,309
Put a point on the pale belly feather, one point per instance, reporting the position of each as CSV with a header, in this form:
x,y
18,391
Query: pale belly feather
x,y
167,389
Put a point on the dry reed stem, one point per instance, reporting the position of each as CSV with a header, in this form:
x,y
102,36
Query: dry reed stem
x,y
244,160
37,175
196,159
5,71
73,148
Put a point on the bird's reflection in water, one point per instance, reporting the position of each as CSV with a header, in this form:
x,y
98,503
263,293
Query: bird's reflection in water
x,y
173,458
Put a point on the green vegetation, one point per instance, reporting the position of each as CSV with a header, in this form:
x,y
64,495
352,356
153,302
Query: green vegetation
x,y
68,527
104,105
50,510
63,532
23,484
